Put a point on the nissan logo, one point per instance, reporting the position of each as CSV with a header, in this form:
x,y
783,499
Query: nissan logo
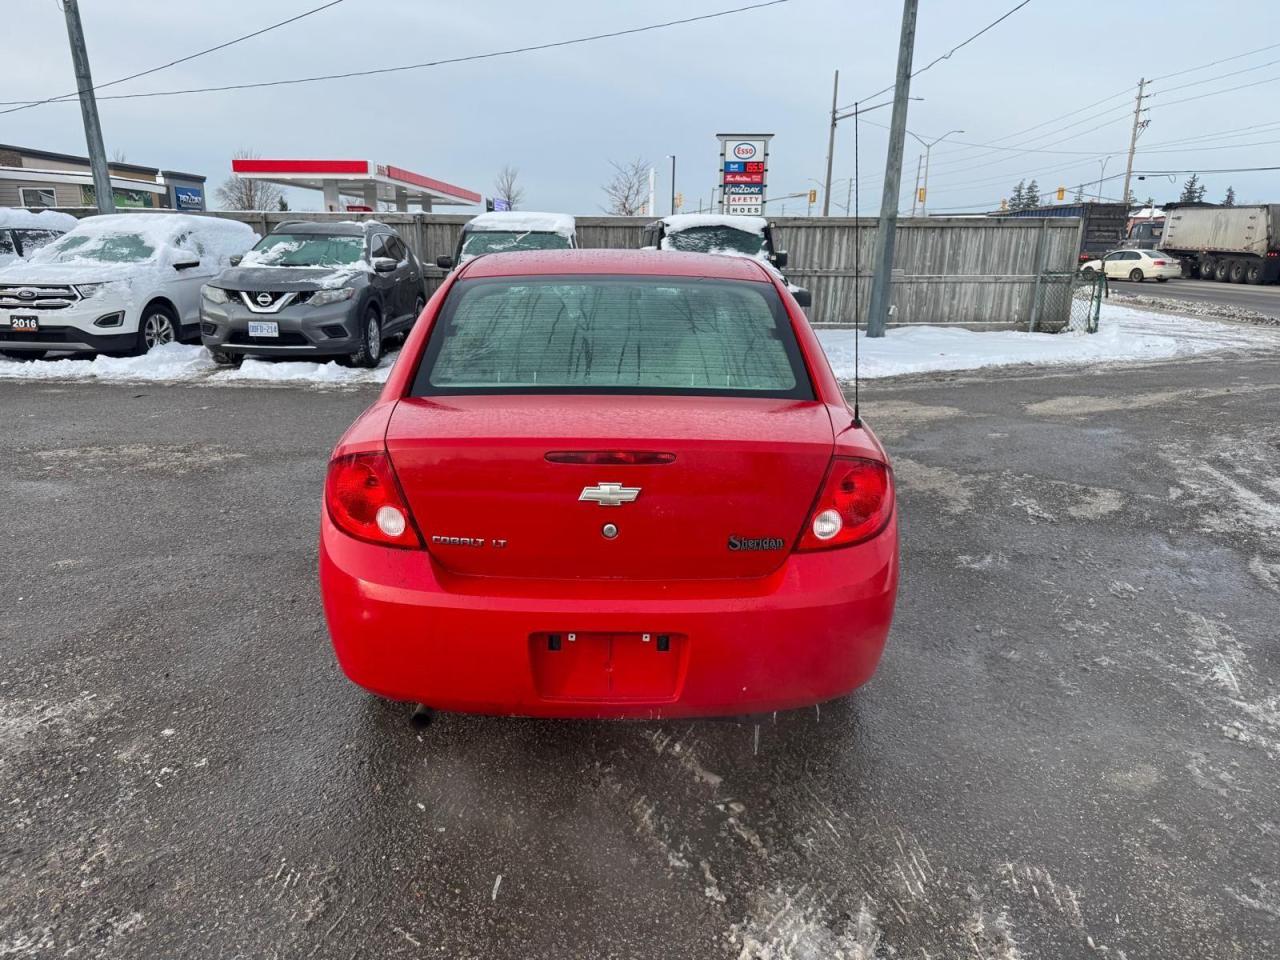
x,y
26,293
264,299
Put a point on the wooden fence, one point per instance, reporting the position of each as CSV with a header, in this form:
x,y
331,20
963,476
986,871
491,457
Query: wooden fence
x,y
976,272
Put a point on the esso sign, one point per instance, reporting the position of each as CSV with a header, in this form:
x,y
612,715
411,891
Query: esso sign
x,y
744,151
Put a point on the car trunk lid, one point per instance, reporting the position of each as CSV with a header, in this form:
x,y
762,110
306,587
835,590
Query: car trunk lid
x,y
728,502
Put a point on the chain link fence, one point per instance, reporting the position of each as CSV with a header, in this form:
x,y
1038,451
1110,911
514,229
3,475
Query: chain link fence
x,y
1079,297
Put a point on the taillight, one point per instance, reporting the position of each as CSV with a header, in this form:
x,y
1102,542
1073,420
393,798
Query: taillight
x,y
855,504
1159,263
364,501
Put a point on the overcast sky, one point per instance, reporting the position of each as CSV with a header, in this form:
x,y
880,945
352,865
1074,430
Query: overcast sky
x,y
561,115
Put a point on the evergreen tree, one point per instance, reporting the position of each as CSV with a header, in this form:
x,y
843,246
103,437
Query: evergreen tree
x,y
283,204
1230,199
1016,198
1192,190
1031,199
1079,197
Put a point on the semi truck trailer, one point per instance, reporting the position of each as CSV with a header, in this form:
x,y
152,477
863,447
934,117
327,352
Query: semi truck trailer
x,y
1226,244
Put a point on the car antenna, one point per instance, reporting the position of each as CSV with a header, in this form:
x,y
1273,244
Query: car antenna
x,y
857,237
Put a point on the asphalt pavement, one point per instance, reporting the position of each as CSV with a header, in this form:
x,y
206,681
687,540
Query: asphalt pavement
x,y
1070,749
1261,299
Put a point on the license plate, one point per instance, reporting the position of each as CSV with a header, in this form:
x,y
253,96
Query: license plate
x,y
24,323
264,328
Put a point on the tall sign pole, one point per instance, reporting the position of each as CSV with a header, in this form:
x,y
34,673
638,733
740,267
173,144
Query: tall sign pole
x,y
831,147
89,109
882,266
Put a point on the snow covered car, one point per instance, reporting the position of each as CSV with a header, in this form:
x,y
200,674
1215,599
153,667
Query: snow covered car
x,y
610,483
509,231
23,232
725,234
1137,265
315,289
115,284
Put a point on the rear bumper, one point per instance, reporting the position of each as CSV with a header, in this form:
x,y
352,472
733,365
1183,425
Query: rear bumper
x,y
405,629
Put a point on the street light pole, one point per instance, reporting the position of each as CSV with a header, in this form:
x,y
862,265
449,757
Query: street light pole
x,y
886,234
915,197
673,183
928,146
89,109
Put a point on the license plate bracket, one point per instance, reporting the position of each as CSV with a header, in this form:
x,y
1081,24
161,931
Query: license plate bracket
x,y
26,324
608,666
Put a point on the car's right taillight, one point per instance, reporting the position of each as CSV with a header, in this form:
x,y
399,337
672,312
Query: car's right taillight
x,y
855,504
364,500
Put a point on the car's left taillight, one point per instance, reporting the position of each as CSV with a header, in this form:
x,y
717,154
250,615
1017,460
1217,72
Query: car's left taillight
x,y
364,500
855,504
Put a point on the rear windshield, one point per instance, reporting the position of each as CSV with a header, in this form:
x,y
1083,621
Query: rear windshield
x,y
717,239
661,335
504,241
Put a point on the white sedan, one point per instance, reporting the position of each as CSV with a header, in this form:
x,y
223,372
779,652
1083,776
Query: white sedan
x,y
1136,265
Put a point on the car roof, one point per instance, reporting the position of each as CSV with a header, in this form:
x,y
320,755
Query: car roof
x,y
342,228
639,263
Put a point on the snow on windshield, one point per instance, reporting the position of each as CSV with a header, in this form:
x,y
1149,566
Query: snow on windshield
x,y
524,221
141,237
305,250
506,241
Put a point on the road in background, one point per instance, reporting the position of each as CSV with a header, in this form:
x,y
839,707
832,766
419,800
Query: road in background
x,y
1069,750
1263,299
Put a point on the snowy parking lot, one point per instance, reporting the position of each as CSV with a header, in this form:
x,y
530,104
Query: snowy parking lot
x,y
1125,335
1069,750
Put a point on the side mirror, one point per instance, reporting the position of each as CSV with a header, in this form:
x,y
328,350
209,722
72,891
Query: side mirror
x,y
235,261
385,265
444,263
780,259
803,296
185,264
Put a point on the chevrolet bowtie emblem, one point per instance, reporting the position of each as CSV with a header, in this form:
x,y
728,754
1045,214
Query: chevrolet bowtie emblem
x,y
610,494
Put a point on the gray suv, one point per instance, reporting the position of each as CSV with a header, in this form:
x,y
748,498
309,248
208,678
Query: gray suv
x,y
314,289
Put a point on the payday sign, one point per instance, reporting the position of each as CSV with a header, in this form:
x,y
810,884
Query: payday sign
x,y
744,170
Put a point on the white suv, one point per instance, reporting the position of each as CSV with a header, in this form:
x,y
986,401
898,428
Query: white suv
x,y
115,284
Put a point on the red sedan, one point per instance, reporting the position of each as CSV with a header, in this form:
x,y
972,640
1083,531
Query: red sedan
x,y
610,484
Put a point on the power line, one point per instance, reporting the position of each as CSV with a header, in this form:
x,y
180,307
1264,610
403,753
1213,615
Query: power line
x,y
1214,93
27,104
948,54
1205,66
437,63
1220,76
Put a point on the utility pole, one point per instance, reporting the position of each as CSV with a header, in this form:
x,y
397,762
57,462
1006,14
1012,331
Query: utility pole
x,y
916,196
882,266
1138,126
89,109
653,210
831,146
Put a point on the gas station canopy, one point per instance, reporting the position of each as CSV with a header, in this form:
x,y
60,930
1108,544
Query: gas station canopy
x,y
362,180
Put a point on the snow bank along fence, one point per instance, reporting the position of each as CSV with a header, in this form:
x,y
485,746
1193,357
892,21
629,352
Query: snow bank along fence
x,y
975,272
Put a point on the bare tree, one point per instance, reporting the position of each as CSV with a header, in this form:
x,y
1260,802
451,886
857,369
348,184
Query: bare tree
x,y
117,156
628,190
507,188
239,193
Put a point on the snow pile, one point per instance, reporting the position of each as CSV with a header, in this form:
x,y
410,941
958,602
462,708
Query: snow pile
x,y
690,221
169,361
297,371
524,221
1124,335
41,220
